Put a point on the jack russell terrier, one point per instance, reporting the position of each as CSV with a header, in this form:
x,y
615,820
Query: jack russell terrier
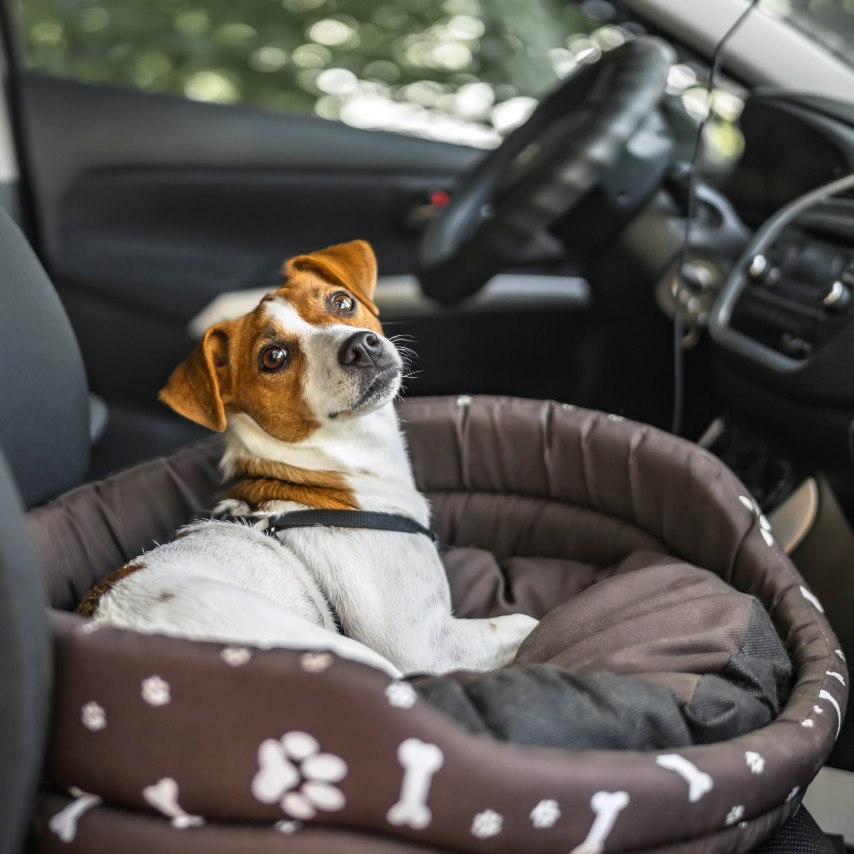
x,y
304,388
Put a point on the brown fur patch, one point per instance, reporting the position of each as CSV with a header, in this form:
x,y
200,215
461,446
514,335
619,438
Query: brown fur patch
x,y
309,295
258,481
352,265
274,400
89,605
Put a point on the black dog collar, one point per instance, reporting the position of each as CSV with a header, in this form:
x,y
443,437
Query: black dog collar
x,y
331,519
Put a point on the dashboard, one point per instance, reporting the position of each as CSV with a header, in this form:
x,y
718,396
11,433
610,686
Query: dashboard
x,y
785,316
790,148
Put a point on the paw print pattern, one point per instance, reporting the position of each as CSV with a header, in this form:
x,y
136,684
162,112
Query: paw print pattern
x,y
545,814
235,656
315,662
734,815
155,691
487,823
401,695
755,762
93,716
293,772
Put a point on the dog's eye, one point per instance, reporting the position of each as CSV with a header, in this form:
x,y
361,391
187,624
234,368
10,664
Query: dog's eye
x,y
272,358
342,303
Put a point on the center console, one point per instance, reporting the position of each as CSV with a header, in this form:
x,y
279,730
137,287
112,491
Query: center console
x,y
798,295
784,316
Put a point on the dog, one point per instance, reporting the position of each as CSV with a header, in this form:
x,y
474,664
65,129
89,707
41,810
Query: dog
x,y
304,388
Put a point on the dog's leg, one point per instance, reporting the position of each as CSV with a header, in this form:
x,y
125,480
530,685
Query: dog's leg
x,y
482,644
399,604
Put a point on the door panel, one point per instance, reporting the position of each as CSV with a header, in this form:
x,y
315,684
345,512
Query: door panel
x,y
152,205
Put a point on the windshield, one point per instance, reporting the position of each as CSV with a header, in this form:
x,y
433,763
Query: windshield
x,y
829,22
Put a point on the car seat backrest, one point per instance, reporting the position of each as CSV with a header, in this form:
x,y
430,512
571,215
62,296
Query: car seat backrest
x,y
24,668
44,402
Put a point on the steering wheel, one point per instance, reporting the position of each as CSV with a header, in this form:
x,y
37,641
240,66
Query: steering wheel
x,y
542,169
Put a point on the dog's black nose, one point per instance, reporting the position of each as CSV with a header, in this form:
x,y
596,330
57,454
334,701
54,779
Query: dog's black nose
x,y
362,350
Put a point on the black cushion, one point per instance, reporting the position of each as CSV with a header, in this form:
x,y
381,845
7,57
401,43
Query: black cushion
x,y
44,417
24,668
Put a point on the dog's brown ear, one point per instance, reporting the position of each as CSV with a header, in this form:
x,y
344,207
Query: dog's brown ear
x,y
194,390
352,265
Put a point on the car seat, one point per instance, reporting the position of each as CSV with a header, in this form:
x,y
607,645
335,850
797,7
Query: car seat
x,y
692,726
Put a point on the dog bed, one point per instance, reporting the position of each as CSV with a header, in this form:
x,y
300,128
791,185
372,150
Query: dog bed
x,y
681,690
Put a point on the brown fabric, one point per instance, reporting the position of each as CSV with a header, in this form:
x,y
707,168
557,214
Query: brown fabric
x,y
96,529
663,618
549,500
108,830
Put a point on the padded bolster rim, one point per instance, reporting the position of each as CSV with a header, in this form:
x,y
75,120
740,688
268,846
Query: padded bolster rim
x,y
255,701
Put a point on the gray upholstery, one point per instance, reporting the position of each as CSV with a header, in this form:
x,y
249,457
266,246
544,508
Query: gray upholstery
x,y
44,416
24,669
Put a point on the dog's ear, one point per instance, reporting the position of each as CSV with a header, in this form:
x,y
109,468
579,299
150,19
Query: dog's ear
x,y
352,265
194,389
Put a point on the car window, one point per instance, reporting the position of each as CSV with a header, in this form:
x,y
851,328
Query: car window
x,y
463,71
458,70
827,22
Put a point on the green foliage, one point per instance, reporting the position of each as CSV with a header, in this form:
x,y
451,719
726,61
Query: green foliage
x,y
272,52
461,70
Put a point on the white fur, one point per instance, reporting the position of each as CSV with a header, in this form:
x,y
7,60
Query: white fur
x,y
224,581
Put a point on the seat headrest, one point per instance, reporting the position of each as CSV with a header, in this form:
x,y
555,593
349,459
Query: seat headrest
x,y
44,415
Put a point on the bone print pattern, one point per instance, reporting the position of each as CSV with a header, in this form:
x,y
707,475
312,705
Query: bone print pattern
x,y
420,762
64,823
607,806
764,524
699,783
293,772
163,796
812,599
826,695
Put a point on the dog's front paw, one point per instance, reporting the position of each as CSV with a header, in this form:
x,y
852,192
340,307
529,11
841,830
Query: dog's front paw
x,y
520,624
512,629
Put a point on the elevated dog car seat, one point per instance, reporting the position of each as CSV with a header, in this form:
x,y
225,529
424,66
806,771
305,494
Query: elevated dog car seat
x,y
647,562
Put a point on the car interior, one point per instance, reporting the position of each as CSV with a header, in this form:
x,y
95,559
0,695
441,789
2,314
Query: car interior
x,y
545,222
